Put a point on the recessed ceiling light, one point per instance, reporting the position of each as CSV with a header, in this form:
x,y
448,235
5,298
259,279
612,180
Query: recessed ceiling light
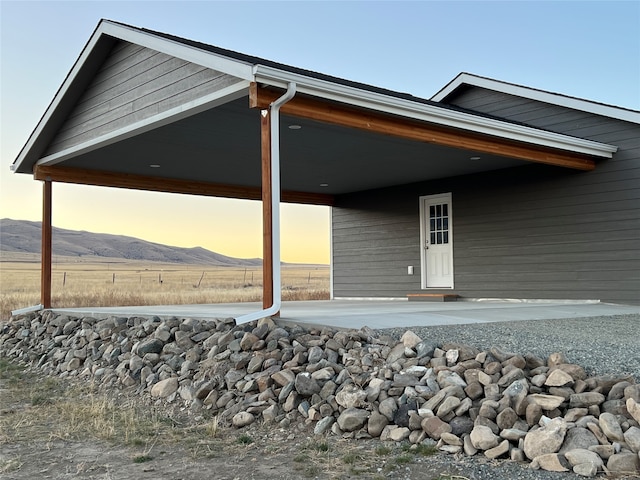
x,y
295,127
474,158
154,165
324,184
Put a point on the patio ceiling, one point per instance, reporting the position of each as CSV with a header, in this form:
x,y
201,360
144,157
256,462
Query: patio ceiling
x,y
222,146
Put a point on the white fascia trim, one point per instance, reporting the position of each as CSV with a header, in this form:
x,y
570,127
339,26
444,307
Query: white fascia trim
x,y
236,68
539,95
430,113
227,94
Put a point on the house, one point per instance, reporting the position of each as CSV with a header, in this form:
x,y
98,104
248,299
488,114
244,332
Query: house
x,y
488,189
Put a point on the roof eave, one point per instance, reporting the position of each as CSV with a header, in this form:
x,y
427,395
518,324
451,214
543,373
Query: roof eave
x,y
430,113
574,103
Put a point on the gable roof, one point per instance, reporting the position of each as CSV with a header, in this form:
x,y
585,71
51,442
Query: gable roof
x,y
467,79
248,69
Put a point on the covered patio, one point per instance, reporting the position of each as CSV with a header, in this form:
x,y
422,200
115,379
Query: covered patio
x,y
149,111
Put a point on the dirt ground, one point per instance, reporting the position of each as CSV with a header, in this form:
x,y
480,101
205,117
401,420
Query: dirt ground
x,y
89,459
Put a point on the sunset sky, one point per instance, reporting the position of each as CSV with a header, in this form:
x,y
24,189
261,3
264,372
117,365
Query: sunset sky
x,y
584,49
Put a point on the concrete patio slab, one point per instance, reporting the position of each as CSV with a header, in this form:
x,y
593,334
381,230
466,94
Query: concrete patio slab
x,y
379,313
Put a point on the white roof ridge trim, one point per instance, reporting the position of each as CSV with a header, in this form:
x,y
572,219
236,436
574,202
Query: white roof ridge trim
x,y
430,113
619,113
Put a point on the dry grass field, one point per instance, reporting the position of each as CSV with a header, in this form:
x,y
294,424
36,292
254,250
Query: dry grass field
x,y
101,282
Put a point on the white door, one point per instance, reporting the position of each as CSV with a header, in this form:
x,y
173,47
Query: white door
x,y
437,241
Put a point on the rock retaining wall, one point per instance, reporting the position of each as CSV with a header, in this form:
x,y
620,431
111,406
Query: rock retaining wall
x,y
355,384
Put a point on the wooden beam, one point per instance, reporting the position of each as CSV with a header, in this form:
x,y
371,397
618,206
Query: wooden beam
x,y
46,252
267,212
346,116
169,185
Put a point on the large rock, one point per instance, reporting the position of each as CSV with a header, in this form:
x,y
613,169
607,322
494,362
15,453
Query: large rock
x,y
352,419
501,449
546,402
581,455
483,438
164,388
150,345
551,462
506,418
447,406
323,425
447,378
547,439
558,378
242,419
374,388
399,434
586,399
388,407
610,427
632,438
585,470
578,438
376,423
434,427
351,396
624,464
396,353
633,407
410,339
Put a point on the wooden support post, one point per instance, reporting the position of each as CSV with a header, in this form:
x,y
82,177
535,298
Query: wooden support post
x,y
46,253
267,213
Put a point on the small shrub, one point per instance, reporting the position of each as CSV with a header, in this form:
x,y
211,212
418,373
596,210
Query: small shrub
x,y
403,459
425,450
350,458
382,450
321,447
142,459
211,428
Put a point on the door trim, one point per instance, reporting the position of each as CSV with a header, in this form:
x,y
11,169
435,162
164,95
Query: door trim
x,y
423,224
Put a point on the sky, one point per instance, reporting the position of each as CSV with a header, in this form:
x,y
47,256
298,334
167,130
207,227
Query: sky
x,y
585,49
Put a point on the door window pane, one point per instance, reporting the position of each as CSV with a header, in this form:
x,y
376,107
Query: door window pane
x,y
439,224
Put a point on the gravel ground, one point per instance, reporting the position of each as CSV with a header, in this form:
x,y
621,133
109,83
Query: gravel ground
x,y
602,345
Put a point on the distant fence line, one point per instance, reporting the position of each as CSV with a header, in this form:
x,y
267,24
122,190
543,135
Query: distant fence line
x,y
236,277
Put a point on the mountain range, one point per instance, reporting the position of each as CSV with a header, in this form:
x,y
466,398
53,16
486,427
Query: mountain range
x,y
23,236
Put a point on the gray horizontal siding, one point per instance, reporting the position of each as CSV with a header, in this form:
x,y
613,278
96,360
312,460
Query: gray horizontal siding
x,y
134,84
526,232
373,248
